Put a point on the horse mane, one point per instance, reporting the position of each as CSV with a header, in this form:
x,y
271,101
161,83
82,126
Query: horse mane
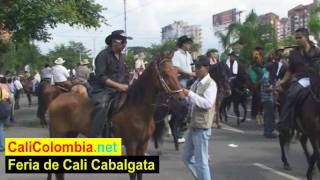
x,y
80,89
136,91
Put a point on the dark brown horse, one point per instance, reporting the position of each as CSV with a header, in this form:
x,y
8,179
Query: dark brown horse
x,y
27,88
69,113
307,123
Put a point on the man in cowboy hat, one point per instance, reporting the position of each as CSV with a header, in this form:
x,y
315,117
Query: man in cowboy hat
x,y
60,74
82,72
110,78
182,61
232,64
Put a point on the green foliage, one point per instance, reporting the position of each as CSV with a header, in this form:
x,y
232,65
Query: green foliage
x,y
314,21
166,46
290,41
30,19
246,36
70,53
21,54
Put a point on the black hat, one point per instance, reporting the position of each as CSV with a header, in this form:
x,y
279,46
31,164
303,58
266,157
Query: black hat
x,y
279,49
259,48
183,39
118,34
203,61
233,53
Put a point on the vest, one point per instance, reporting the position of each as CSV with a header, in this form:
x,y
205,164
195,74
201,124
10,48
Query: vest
x,y
201,118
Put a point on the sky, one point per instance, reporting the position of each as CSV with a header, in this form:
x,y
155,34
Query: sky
x,y
146,17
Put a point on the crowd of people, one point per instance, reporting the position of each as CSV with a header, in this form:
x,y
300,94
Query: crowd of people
x,y
264,77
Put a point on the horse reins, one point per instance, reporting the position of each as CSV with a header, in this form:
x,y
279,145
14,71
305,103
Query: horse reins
x,y
163,82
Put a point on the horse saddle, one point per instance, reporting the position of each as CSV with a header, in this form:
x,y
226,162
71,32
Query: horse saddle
x,y
117,102
62,87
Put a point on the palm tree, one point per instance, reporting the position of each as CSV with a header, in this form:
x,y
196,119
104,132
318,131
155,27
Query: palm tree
x,y
247,35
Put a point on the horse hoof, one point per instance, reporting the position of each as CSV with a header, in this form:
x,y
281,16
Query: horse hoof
x,y
287,167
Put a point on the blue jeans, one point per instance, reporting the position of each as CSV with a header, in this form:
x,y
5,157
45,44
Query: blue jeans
x,y
1,135
268,116
196,146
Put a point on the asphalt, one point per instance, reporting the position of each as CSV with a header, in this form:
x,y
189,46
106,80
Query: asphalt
x,y
236,153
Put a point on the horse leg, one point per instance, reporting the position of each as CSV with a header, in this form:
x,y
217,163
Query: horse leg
x,y
314,158
236,112
174,130
131,149
243,104
303,142
29,99
286,165
141,150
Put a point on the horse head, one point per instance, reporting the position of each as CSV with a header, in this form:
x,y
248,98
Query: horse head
x,y
165,76
219,72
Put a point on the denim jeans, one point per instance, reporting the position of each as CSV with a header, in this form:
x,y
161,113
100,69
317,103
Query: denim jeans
x,y
1,135
268,116
196,146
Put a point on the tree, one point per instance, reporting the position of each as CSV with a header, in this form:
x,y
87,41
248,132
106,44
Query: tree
x,y
71,53
31,19
246,36
20,54
314,21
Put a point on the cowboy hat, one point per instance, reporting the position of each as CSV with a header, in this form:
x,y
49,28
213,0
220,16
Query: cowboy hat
x,y
84,62
118,34
184,39
233,53
59,61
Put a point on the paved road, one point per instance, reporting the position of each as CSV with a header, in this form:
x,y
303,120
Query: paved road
x,y
236,154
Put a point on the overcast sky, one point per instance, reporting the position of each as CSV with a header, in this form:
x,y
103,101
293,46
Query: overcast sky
x,y
146,17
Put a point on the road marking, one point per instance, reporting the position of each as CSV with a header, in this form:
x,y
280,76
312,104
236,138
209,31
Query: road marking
x,y
229,128
247,119
233,145
288,176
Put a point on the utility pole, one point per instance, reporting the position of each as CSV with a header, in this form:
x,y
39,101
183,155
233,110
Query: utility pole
x,y
125,16
125,21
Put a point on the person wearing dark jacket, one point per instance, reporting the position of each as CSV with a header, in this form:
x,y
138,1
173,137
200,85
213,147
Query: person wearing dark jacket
x,y
110,78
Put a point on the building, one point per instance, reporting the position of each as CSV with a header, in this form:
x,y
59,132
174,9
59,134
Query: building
x,y
284,29
273,20
180,28
298,17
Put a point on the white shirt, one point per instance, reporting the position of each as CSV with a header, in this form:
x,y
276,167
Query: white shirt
x,y
209,99
139,63
37,77
60,73
18,85
183,60
46,73
280,64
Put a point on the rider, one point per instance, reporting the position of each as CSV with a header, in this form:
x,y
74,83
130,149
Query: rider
x,y
46,73
182,61
232,64
110,76
83,73
60,74
300,60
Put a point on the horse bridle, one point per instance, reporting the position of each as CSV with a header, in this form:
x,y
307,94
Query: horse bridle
x,y
162,81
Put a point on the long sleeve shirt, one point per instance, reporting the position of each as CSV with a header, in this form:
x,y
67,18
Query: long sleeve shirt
x,y
209,97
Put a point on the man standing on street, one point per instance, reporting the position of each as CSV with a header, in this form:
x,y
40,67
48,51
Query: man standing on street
x,y
201,97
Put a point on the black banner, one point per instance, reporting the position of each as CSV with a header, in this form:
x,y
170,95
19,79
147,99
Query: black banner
x,y
82,164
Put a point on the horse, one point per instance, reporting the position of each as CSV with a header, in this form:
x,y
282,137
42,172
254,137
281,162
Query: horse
x,y
46,93
238,97
69,113
306,121
27,88
167,105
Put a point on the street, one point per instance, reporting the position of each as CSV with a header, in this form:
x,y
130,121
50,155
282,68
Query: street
x,y
235,154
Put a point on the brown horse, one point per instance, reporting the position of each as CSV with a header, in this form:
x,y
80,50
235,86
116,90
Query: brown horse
x,y
27,88
307,123
46,93
70,112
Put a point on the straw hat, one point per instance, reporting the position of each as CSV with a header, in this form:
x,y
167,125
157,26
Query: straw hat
x,y
59,61
84,62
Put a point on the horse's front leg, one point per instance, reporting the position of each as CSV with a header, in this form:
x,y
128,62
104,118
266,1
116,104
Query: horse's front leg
x,y
286,165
